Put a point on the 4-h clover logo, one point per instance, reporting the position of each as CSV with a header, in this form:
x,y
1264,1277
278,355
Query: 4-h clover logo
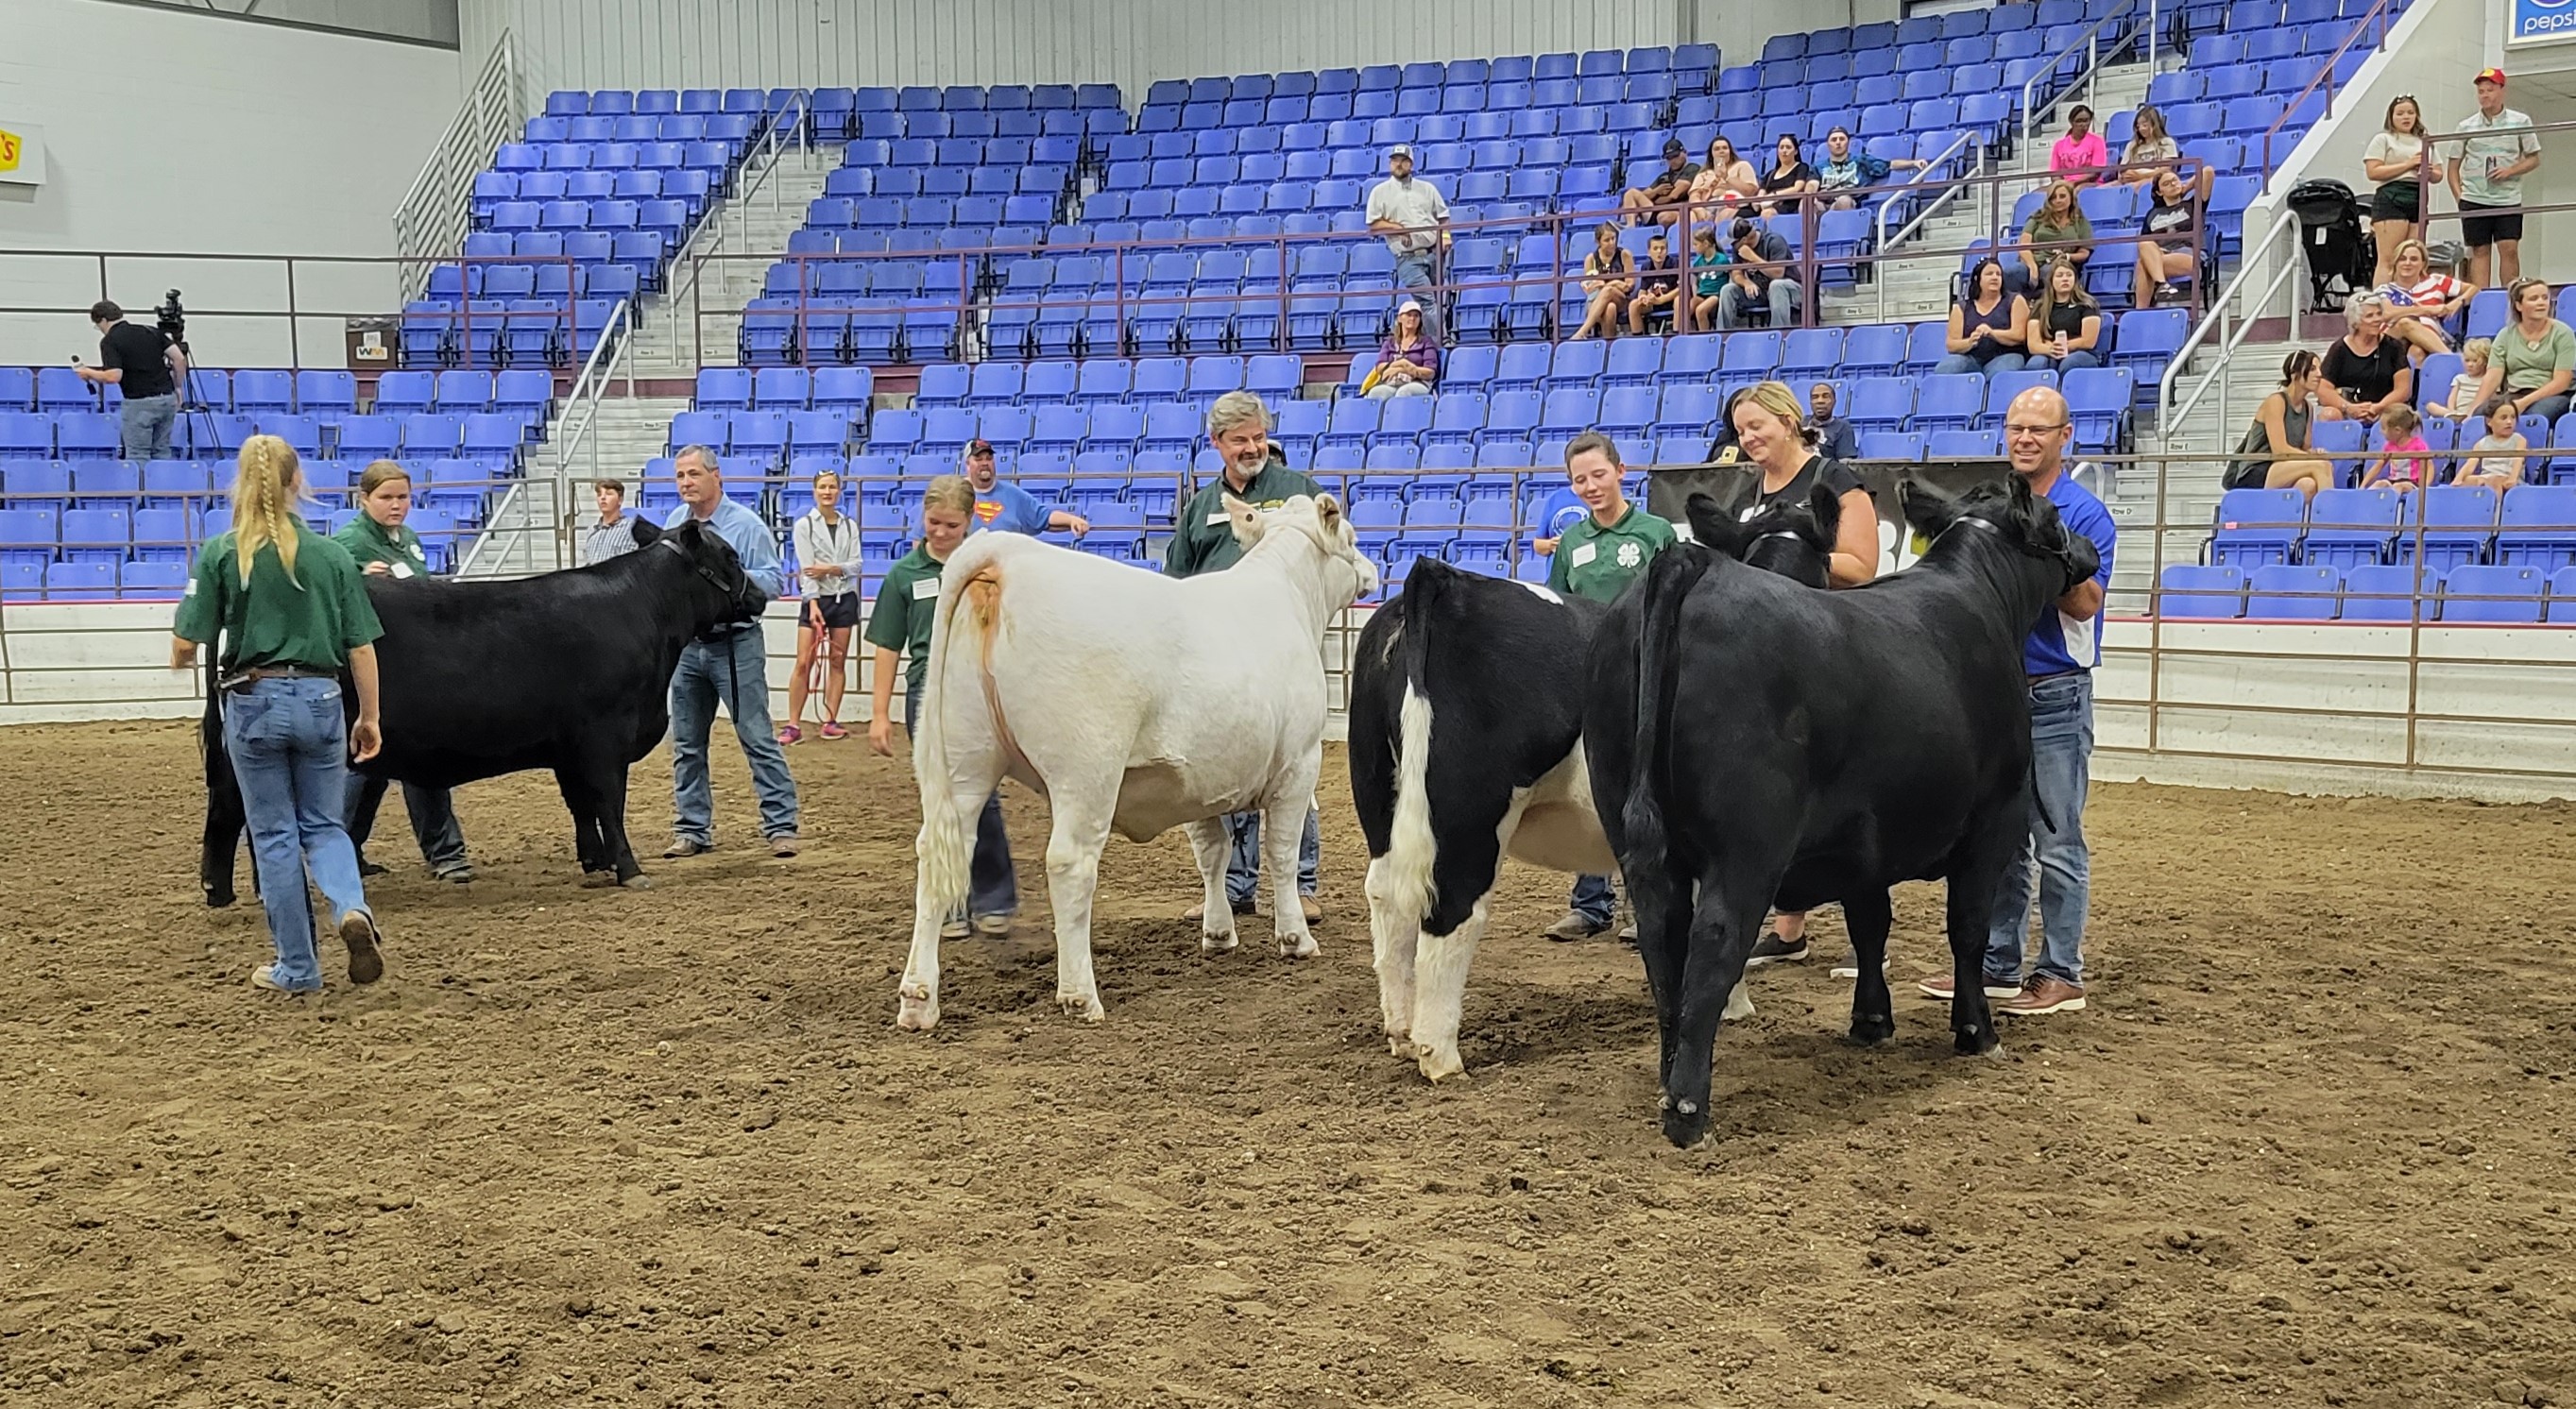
x,y
1630,555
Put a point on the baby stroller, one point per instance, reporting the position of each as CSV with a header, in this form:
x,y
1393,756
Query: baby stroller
x,y
2338,247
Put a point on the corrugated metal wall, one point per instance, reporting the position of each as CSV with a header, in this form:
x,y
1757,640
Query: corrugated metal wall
x,y
770,43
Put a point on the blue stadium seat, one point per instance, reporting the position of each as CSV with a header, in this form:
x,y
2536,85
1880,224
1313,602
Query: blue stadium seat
x,y
2190,590
2507,594
2258,526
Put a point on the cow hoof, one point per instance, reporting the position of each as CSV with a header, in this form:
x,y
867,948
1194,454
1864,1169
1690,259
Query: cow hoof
x,y
1871,1032
1296,946
1439,1064
637,883
1077,1005
218,899
1399,1044
1977,1041
1212,943
918,1011
1685,1125
598,880
1738,1006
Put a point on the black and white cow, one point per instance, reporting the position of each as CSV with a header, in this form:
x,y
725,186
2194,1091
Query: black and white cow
x,y
569,672
1466,721
1752,744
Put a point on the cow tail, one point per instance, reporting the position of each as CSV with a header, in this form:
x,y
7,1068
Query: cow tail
x,y
946,847
1668,585
1412,847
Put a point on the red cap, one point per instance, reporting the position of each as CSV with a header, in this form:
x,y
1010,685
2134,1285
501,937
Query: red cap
x,y
979,446
2491,75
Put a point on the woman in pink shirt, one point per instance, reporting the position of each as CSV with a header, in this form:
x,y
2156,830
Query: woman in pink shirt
x,y
2079,156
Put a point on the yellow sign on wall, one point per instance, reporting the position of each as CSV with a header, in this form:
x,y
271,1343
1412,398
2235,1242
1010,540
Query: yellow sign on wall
x,y
22,153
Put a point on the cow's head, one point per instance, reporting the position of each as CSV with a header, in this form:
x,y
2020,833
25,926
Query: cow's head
x,y
1349,575
2009,513
721,592
1791,539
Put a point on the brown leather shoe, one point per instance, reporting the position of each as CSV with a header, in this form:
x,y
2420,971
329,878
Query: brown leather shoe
x,y
1313,911
2042,994
1940,989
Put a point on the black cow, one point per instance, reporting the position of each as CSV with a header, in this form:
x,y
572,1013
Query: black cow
x,y
1500,666
1753,744
569,672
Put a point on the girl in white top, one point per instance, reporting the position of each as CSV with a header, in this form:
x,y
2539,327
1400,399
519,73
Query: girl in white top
x,y
2496,460
2395,159
827,565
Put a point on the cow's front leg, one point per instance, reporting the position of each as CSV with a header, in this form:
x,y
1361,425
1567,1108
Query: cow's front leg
x,y
1211,845
1073,878
1868,917
1440,993
1394,933
1283,831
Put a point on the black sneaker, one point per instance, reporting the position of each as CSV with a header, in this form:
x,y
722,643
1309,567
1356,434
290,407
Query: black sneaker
x,y
1772,949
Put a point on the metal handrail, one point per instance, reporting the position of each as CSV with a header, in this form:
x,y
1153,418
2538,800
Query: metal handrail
x,y
433,214
772,145
616,341
2090,42
2168,414
2325,75
1923,216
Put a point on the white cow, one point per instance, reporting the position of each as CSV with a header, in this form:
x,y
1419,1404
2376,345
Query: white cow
x,y
1133,701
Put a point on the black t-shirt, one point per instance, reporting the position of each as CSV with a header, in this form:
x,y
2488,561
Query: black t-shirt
x,y
142,354
1784,177
1837,476
1660,277
2364,378
2171,222
2068,318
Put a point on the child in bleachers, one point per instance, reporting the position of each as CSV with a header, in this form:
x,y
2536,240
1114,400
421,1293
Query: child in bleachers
x,y
2462,399
2409,465
2496,460
1708,276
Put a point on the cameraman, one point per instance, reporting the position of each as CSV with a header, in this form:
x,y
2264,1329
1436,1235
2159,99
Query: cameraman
x,y
148,368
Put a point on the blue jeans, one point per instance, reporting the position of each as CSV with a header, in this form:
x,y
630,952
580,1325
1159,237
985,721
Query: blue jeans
x,y
1593,899
1781,299
433,820
1960,363
1243,868
2061,737
993,886
144,426
1414,275
734,669
2077,358
290,752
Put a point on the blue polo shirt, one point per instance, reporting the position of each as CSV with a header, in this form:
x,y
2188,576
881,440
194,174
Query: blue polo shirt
x,y
1009,509
751,541
2059,643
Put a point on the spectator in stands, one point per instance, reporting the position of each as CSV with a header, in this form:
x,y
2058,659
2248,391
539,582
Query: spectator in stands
x,y
1659,284
2168,239
2498,149
1836,439
2462,399
614,534
1007,508
2395,159
731,665
2060,222
2365,371
382,544
2059,656
2420,300
1727,182
147,369
1781,446
1758,278
1988,325
1788,179
2275,453
1408,362
1660,200
292,610
1847,168
899,628
2534,356
1708,276
827,559
1203,541
2152,149
1415,221
2065,325
2080,155
2495,461
1608,276
2409,465
1597,557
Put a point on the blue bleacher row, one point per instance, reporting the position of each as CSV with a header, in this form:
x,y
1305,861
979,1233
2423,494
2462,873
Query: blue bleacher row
x,y
461,412
2469,592
2446,526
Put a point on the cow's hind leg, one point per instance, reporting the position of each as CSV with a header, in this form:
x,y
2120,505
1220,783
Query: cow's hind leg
x,y
583,804
1082,817
1210,846
1867,915
1440,991
1730,908
1661,901
1394,933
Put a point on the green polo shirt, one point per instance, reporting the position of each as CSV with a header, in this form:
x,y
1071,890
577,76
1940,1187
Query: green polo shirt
x,y
313,620
1203,540
907,603
1599,563
397,548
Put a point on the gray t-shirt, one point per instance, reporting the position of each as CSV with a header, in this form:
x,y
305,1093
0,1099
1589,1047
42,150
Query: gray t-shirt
x,y
1416,205
2491,144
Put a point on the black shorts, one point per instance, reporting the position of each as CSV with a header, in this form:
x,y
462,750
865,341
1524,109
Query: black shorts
x,y
2480,229
839,613
2398,200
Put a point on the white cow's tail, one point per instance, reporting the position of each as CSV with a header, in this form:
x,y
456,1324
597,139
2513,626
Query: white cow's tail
x,y
1412,848
946,847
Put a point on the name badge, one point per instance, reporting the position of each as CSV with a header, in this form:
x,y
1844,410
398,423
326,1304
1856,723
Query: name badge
x,y
1216,518
925,589
1585,554
400,569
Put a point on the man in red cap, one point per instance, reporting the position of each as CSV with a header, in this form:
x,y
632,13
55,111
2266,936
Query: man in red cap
x,y
2486,171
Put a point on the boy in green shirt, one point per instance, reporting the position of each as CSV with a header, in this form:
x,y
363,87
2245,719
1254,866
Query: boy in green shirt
x,y
1596,558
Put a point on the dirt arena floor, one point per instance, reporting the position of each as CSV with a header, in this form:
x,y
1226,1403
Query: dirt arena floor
x,y
2313,1144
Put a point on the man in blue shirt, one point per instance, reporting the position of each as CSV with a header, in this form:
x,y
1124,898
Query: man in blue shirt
x,y
2064,646
1007,508
729,664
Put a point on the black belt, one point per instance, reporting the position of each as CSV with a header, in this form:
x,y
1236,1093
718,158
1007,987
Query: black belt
x,y
242,680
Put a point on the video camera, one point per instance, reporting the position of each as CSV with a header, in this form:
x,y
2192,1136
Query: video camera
x,y
171,319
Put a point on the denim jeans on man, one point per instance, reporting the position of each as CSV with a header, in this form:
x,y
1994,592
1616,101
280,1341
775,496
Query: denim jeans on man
x,y
2061,735
1243,867
433,820
734,669
290,752
1594,900
1414,274
144,426
993,887
1734,305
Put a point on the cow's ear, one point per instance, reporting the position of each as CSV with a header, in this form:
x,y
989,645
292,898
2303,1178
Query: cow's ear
x,y
1927,510
1826,508
2025,513
1714,526
647,533
1247,520
1328,512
